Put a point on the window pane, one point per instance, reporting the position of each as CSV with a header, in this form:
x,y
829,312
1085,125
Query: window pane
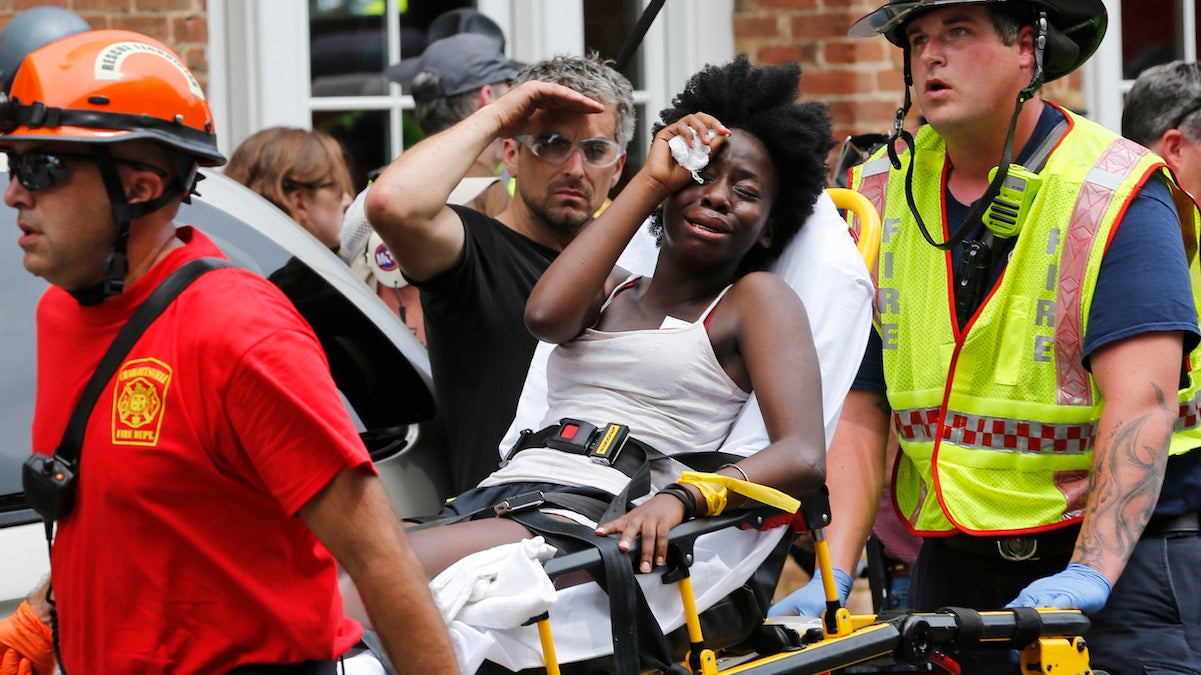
x,y
349,42
1151,34
607,26
348,48
365,136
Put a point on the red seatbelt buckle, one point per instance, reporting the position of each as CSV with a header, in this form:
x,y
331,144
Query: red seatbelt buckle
x,y
574,436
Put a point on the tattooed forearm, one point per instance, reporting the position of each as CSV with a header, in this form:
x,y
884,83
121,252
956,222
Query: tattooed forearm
x,y
1127,472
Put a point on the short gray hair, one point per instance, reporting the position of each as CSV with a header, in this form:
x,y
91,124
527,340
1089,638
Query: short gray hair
x,y
1167,96
593,77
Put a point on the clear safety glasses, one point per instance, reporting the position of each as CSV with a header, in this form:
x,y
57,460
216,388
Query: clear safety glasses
x,y
597,153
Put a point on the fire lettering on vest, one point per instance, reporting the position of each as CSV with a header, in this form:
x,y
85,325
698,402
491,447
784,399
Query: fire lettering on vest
x,y
1044,346
1053,241
1044,313
890,227
888,301
888,335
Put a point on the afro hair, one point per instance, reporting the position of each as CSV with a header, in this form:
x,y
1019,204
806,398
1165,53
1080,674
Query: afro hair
x,y
762,101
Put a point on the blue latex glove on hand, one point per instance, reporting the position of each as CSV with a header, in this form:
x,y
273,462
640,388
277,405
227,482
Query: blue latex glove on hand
x,y
811,599
1077,587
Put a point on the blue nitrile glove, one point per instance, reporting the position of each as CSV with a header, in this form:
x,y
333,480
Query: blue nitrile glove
x,y
811,599
1077,587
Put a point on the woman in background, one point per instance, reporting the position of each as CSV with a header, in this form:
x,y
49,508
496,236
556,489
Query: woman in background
x,y
302,172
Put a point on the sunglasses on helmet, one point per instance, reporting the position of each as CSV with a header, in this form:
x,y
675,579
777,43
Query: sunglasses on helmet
x,y
38,170
597,153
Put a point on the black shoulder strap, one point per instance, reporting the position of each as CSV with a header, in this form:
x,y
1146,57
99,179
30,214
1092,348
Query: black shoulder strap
x,y
1038,159
72,442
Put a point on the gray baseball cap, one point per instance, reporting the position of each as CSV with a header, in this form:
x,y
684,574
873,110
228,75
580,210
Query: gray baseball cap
x,y
463,62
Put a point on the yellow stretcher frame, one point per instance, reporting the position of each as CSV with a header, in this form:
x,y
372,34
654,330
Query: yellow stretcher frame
x,y
907,639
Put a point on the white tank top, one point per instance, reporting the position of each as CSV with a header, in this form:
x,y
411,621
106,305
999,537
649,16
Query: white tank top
x,y
666,384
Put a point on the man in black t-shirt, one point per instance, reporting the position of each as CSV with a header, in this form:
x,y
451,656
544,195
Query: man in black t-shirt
x,y
565,125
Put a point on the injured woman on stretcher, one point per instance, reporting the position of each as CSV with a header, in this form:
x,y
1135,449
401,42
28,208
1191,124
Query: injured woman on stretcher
x,y
670,360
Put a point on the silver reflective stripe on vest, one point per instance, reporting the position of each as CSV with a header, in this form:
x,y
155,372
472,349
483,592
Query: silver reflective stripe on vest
x,y
876,167
1000,434
916,424
1093,202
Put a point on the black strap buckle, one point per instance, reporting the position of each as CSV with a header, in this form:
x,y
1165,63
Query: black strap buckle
x,y
525,500
608,443
601,445
574,436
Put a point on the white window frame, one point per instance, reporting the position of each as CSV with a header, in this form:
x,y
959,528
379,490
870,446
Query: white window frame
x,y
1103,99
259,57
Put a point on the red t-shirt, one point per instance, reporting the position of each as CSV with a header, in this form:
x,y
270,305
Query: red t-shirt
x,y
184,552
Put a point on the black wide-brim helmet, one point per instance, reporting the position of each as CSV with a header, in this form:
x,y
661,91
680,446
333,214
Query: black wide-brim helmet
x,y
1075,31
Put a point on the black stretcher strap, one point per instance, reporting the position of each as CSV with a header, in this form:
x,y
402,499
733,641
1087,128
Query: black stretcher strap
x,y
970,624
636,632
1029,626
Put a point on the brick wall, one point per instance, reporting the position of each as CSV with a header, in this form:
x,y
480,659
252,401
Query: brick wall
x,y
180,24
860,79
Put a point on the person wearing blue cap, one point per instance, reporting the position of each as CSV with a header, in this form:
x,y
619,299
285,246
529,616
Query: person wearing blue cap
x,y
1033,316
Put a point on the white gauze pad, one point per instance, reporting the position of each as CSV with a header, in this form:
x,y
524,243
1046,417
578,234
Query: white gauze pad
x,y
694,156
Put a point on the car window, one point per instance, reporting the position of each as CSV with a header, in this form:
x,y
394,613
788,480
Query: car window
x,y
19,292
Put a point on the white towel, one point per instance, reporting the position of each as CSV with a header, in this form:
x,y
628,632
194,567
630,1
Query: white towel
x,y
693,157
501,587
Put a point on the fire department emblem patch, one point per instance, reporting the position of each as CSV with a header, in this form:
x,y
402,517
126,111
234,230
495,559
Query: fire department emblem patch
x,y
139,401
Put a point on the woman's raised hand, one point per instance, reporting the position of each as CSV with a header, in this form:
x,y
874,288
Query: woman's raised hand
x,y
662,168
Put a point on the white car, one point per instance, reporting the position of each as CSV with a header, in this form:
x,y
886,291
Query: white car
x,y
380,368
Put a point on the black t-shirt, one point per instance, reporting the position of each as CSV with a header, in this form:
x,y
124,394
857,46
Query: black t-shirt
x,y
479,347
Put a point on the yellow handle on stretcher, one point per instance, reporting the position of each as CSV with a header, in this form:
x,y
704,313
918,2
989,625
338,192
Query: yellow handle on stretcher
x,y
867,219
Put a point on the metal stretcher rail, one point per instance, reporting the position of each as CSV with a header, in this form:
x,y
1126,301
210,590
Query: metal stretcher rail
x,y
1048,639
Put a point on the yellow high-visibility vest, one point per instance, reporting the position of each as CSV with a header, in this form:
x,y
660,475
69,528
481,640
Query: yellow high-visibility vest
x,y
997,422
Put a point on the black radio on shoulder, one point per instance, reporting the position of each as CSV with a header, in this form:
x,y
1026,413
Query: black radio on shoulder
x,y
49,484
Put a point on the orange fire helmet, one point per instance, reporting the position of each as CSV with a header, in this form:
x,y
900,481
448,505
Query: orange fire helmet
x,y
107,86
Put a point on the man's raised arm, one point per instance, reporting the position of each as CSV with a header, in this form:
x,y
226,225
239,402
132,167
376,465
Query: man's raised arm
x,y
407,203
